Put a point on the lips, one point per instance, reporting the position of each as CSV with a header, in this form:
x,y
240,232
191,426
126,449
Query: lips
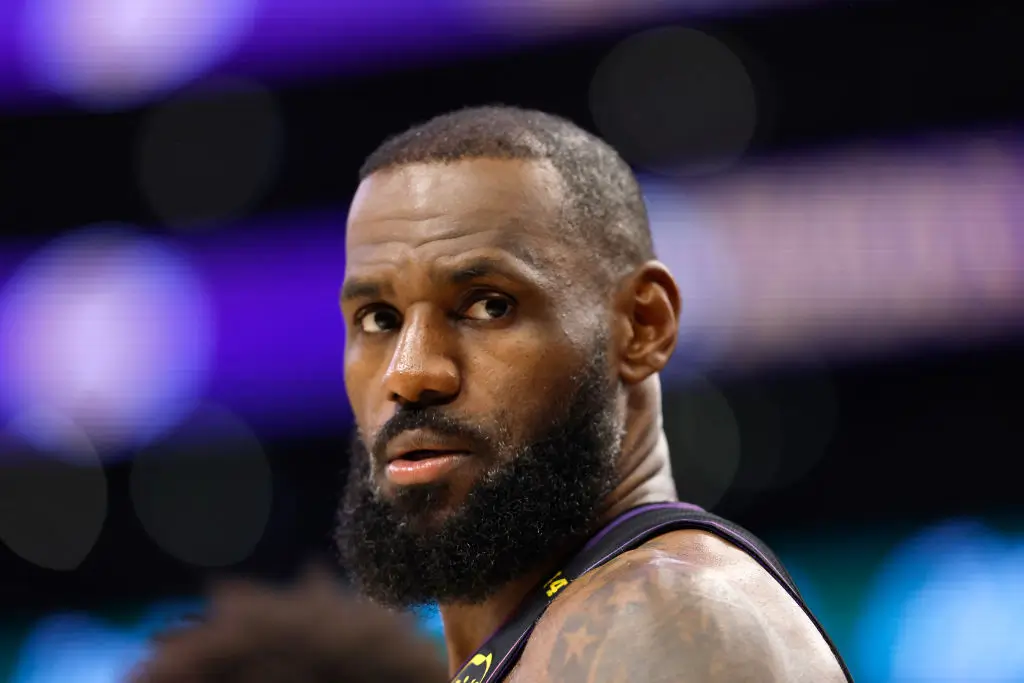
x,y
412,473
422,457
419,445
418,456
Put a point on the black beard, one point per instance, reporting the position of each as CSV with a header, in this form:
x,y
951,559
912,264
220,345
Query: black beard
x,y
529,507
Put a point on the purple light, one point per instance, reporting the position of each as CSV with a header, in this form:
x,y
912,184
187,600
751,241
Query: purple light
x,y
114,53
842,254
298,37
755,291
274,298
849,252
107,329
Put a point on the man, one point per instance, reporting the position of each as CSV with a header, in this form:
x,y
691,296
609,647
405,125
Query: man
x,y
309,633
506,324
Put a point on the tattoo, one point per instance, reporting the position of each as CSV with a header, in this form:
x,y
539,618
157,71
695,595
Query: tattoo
x,y
659,620
578,644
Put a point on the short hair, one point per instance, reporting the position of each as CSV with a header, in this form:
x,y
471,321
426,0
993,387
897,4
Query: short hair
x,y
605,208
311,633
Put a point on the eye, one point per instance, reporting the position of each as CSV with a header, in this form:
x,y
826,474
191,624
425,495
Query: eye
x,y
377,320
491,307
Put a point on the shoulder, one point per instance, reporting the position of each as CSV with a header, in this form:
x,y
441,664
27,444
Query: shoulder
x,y
687,607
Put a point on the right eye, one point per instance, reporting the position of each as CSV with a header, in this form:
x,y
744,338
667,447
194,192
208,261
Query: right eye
x,y
377,320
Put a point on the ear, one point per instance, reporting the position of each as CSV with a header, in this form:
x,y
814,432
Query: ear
x,y
647,307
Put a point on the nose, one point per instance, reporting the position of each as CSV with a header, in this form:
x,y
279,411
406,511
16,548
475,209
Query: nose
x,y
422,373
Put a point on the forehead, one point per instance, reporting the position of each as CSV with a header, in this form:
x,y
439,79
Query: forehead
x,y
454,207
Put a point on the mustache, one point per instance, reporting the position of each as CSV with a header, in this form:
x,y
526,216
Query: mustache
x,y
432,419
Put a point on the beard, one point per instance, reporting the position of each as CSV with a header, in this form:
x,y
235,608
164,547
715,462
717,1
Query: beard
x,y
541,498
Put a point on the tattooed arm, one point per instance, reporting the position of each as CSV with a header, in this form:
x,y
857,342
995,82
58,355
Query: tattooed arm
x,y
655,618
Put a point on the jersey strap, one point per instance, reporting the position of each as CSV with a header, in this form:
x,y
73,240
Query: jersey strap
x,y
496,657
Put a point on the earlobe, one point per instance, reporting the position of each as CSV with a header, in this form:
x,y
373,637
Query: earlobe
x,y
651,305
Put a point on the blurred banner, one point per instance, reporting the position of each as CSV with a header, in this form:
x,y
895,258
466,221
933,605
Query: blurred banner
x,y
855,252
852,252
115,53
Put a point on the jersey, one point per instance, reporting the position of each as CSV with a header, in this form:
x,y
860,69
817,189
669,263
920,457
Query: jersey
x,y
498,655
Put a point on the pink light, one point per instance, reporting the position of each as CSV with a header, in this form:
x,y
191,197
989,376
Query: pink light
x,y
109,53
108,329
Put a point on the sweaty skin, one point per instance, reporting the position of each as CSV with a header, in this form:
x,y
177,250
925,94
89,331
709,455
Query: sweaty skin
x,y
687,607
429,239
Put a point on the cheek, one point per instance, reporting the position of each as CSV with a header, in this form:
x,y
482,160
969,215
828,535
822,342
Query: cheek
x,y
519,379
513,362
361,382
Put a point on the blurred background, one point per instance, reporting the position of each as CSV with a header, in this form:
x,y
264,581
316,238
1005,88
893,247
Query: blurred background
x,y
837,186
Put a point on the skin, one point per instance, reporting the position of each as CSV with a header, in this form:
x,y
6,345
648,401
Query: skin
x,y
686,607
428,246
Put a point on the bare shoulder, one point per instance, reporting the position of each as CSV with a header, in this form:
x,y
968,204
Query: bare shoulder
x,y
686,608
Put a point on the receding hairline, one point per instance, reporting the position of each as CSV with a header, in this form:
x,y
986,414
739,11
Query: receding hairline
x,y
544,160
545,219
600,200
546,171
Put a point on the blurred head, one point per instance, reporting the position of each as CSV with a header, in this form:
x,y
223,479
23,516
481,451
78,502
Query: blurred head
x,y
501,302
311,633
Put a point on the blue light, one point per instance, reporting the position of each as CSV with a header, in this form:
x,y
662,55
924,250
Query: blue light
x,y
77,648
948,606
429,619
84,649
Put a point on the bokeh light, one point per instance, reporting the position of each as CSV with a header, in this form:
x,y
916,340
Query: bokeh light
x,y
208,154
538,18
785,426
204,493
948,606
809,411
109,329
117,53
703,267
761,435
80,648
53,501
676,101
752,437
704,441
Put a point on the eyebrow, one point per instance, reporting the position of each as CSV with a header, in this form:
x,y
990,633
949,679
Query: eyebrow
x,y
475,269
479,268
363,289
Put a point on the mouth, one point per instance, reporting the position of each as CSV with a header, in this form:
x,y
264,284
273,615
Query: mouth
x,y
420,444
424,466
422,454
421,457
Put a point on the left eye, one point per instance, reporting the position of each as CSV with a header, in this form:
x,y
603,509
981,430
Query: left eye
x,y
489,308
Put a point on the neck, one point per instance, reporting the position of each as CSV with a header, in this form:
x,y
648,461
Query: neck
x,y
645,476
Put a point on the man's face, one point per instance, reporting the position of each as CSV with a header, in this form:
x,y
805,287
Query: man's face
x,y
476,366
